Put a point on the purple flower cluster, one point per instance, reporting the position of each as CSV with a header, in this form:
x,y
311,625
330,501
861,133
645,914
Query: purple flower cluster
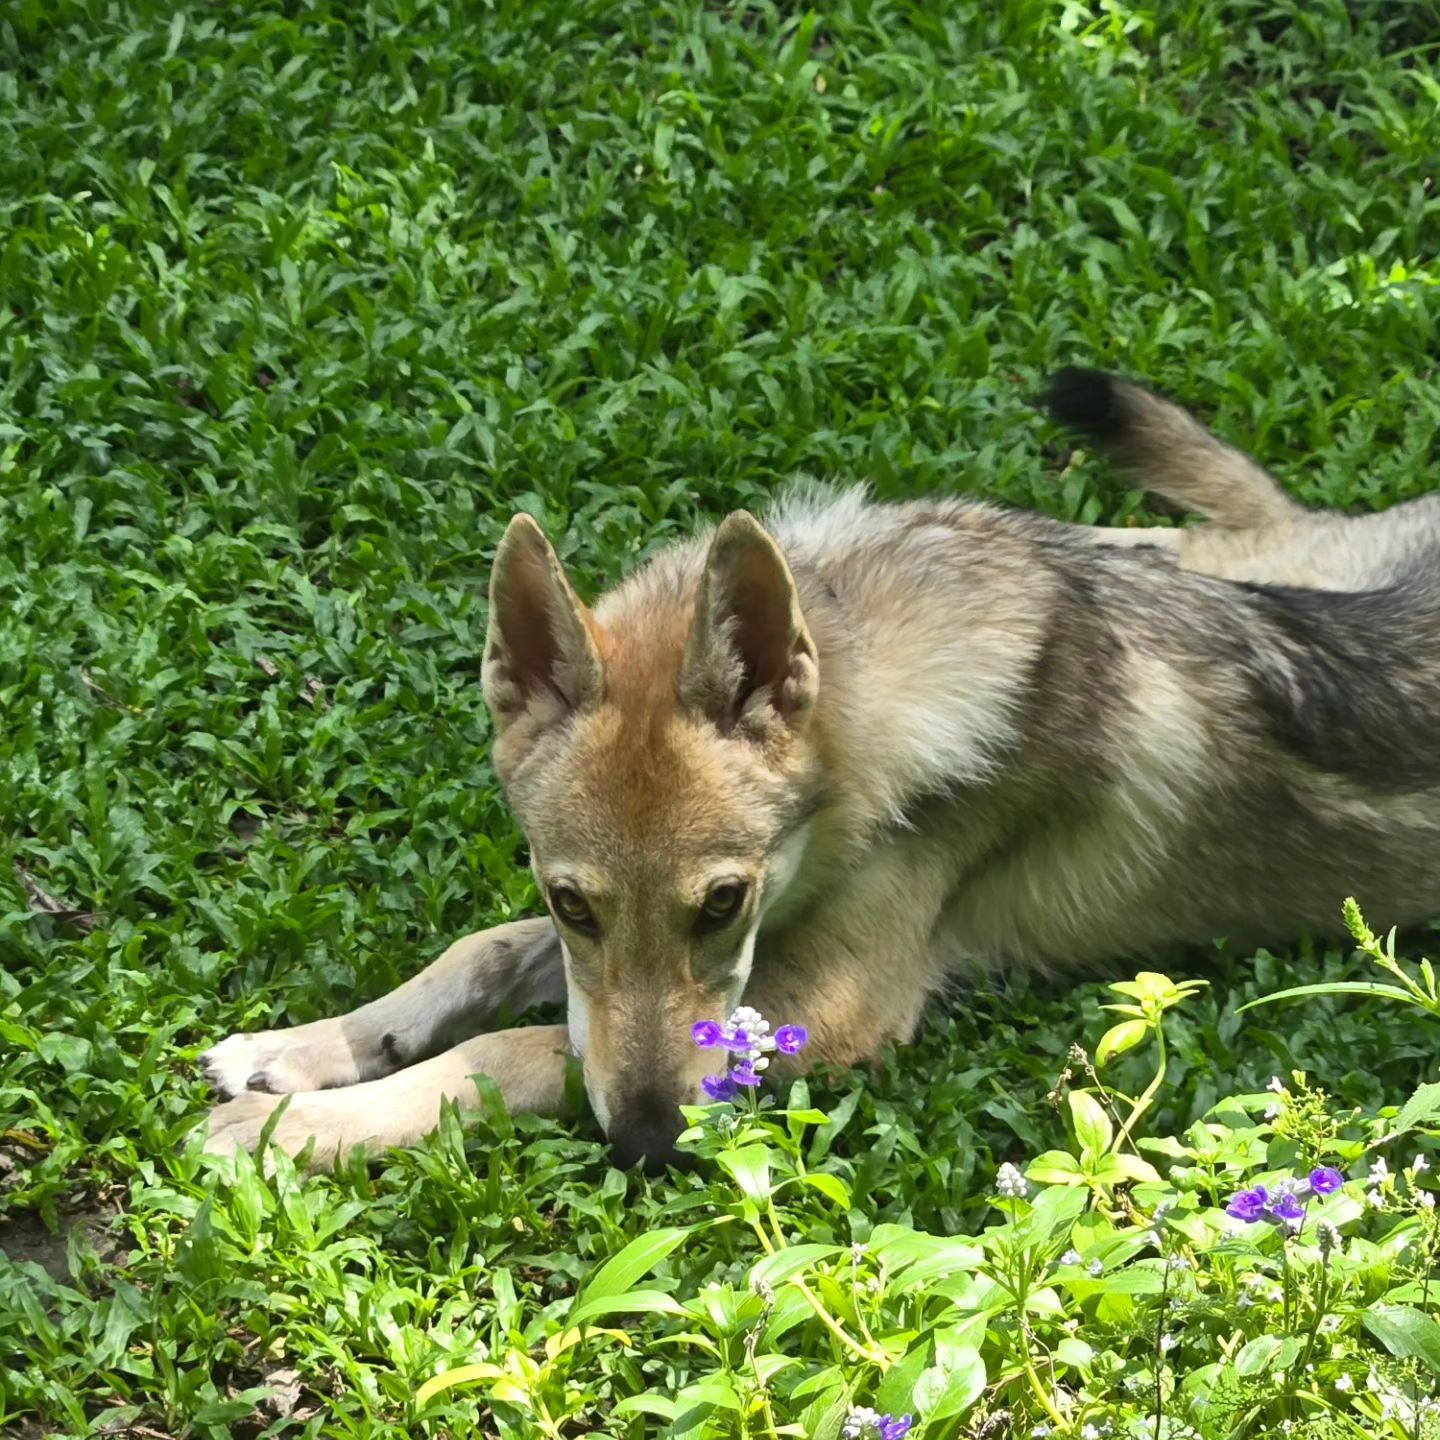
x,y
1284,1205
746,1040
867,1424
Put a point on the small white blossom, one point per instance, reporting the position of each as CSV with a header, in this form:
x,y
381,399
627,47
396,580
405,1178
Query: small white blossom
x,y
1330,1325
1040,1432
1344,1384
1379,1171
1420,1166
1375,1199
1095,1267
1010,1182
1168,1343
1070,1257
1273,1113
1426,1199
1179,1262
857,1422
1276,1085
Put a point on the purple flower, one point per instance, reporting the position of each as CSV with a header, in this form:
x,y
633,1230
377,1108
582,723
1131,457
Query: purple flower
x,y
791,1039
738,1039
895,1429
1287,1207
1249,1205
1326,1180
718,1087
706,1033
745,1073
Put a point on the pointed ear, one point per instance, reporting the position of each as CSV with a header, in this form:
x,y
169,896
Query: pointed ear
x,y
539,651
749,660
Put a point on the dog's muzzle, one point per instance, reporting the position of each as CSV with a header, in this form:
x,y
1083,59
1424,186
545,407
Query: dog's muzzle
x,y
646,1128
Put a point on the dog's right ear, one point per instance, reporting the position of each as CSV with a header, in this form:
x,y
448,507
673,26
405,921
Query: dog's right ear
x,y
540,652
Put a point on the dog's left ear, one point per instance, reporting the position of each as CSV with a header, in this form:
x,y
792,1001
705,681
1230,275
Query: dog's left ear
x,y
749,661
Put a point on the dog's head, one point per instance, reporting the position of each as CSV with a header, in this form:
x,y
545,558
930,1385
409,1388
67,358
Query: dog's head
x,y
661,761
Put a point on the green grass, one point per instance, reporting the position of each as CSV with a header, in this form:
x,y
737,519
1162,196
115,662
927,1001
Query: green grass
x,y
298,303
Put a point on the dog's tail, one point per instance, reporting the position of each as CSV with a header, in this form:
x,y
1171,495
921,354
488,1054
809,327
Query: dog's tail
x,y
1167,450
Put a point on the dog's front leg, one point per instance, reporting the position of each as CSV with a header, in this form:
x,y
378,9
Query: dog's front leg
x,y
511,967
527,1064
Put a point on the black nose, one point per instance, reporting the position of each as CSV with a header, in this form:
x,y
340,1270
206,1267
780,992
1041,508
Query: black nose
x,y
646,1128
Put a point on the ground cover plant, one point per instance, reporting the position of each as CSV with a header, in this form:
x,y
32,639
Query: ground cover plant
x,y
298,303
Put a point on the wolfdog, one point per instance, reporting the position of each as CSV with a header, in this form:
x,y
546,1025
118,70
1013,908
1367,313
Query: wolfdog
x,y
830,763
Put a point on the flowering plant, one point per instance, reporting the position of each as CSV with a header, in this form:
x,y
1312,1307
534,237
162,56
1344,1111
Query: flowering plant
x,y
747,1043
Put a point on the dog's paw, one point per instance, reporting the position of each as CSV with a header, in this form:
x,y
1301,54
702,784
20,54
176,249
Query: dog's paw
x,y
281,1062
239,1123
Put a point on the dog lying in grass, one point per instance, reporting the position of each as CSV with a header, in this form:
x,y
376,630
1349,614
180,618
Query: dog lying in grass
x,y
825,764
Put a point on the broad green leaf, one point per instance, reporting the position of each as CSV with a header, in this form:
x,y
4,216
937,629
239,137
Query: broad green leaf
x,y
750,1166
1120,1038
1135,1280
638,1258
1265,1352
1092,1125
1422,1106
461,1375
831,1186
1053,1213
661,1406
1406,1333
1115,1168
1055,1167
627,1302
779,1267
942,1393
896,1392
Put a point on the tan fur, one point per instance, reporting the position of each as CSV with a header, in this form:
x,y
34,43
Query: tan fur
x,y
927,739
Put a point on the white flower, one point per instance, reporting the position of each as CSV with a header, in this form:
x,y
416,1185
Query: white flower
x,y
1168,1343
1095,1267
1010,1182
1344,1384
1420,1166
1089,1432
857,1422
1039,1432
1070,1257
1426,1199
1276,1085
1273,1113
1179,1262
1330,1324
1375,1199
1379,1171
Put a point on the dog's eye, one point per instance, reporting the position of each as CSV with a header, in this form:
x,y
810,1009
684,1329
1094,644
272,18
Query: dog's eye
x,y
571,906
722,905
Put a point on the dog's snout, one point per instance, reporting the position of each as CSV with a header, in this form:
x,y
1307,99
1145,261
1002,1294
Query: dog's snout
x,y
646,1128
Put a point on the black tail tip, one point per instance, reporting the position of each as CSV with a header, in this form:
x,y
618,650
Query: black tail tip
x,y
1086,401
